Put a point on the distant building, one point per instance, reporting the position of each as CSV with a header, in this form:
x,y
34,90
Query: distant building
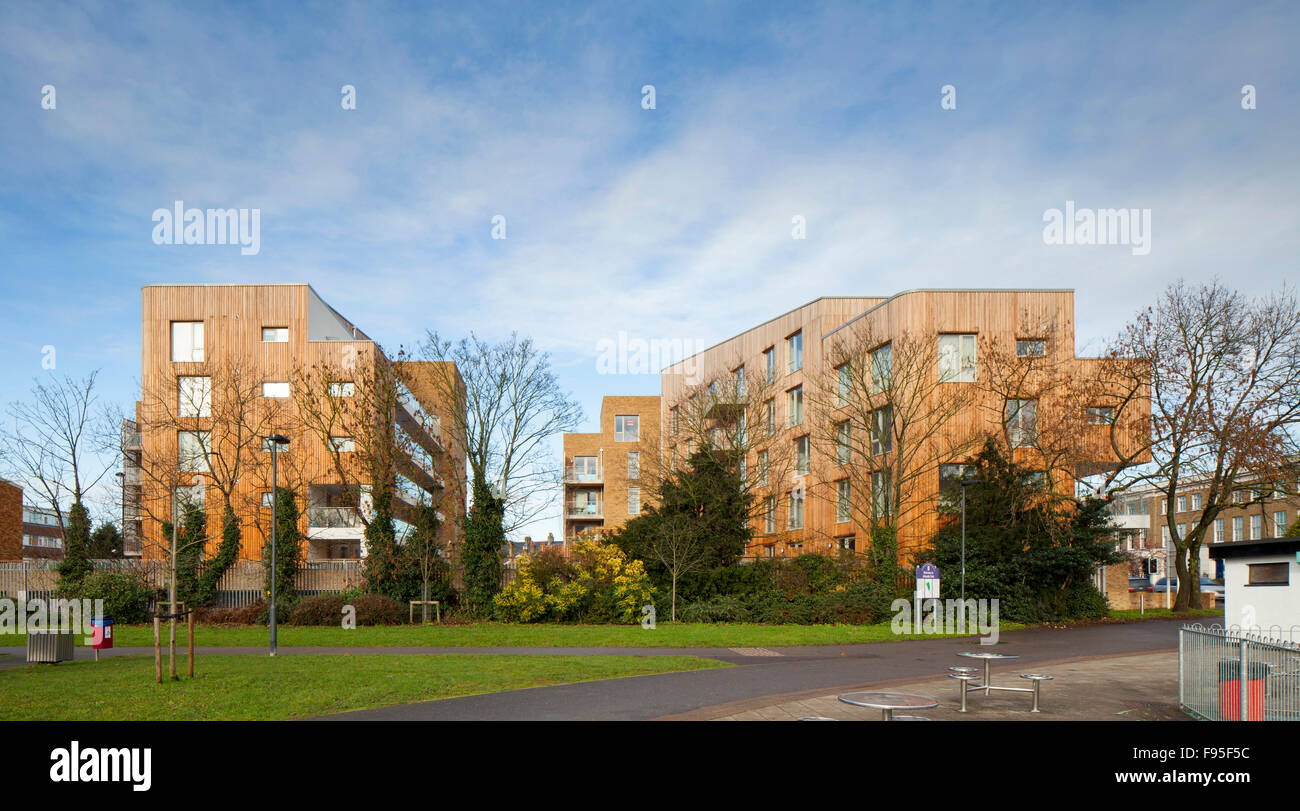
x,y
602,471
27,532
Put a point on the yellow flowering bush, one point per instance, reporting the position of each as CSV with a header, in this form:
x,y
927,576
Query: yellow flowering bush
x,y
597,583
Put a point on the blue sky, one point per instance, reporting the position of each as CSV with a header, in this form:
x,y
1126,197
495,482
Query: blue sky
x,y
672,223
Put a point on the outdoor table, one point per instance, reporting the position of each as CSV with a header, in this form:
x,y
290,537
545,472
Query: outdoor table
x,y
989,656
888,702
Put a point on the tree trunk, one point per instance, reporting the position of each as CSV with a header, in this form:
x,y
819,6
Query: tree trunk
x,y
1181,602
424,614
171,596
674,608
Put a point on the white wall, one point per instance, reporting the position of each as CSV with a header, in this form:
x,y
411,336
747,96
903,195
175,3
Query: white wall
x,y
1262,607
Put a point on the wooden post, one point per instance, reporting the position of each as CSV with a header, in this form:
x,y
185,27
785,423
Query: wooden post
x,y
157,651
189,619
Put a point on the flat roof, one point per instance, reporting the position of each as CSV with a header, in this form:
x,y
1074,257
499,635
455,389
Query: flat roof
x,y
1266,546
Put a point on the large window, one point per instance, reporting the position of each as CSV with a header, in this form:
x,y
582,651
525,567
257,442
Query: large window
x,y
795,405
275,389
585,469
344,389
882,368
1021,420
275,335
957,358
634,465
1268,574
1218,530
843,385
194,397
951,477
842,503
880,494
1100,415
882,431
343,444
801,455
843,448
1238,529
769,515
794,351
764,469
769,416
738,375
1256,527
1279,523
633,500
769,363
192,448
796,510
627,428
187,341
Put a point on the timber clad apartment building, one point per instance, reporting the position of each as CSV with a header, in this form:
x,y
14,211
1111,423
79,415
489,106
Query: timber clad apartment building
x,y
224,366
823,471
602,471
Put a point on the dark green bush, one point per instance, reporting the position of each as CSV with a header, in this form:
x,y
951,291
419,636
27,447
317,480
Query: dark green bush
x,y
125,595
717,609
327,609
254,614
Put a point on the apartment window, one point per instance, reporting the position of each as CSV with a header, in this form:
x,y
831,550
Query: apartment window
x,y
634,465
1279,524
801,455
183,496
343,389
957,358
795,405
843,384
187,341
951,477
633,500
1101,415
1164,535
268,444
1021,419
744,468
194,397
1196,501
1239,529
1164,506
1030,348
794,350
880,493
843,450
764,469
1268,574
842,501
882,368
343,444
769,361
739,377
266,500
882,431
275,335
585,469
676,418
192,448
1182,531
769,416
1256,527
275,389
769,515
847,542
627,428
1182,504
796,510
1218,530
769,551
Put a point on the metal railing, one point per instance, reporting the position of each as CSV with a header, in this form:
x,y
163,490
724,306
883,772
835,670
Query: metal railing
x,y
1211,662
333,517
588,510
573,475
241,585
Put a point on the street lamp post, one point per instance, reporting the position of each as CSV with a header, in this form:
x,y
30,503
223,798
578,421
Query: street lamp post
x,y
964,483
276,441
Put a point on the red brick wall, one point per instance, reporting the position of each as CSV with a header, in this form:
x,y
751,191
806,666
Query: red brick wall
x,y
11,521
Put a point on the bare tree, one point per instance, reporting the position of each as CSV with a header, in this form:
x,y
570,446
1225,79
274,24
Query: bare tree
x,y
676,543
1225,401
510,405
886,422
58,444
730,419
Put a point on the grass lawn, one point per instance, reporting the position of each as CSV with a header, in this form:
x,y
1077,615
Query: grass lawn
x,y
542,635
1163,613
242,687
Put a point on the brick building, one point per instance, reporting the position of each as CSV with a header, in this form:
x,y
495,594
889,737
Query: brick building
x,y
602,471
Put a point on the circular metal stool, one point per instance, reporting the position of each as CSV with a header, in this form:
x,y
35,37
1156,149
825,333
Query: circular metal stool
x,y
1037,679
965,679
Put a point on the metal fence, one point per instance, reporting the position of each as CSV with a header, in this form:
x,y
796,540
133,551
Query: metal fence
x,y
241,585
1212,661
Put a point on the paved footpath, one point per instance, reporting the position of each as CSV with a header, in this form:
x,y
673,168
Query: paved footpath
x,y
710,694
762,675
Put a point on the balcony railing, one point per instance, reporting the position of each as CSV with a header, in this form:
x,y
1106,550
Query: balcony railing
x,y
587,510
131,441
333,517
574,475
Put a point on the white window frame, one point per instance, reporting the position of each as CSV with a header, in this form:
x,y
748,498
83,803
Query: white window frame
x,y
634,501
193,403
633,464
843,501
794,352
621,433
958,357
794,404
343,388
271,387
187,342
278,335
195,458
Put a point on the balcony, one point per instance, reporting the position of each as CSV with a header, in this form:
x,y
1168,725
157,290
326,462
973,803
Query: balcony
x,y
132,476
574,475
333,518
131,441
587,511
427,425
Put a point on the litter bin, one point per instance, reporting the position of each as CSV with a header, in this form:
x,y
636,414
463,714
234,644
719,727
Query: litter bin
x,y
49,645
103,636
1230,690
